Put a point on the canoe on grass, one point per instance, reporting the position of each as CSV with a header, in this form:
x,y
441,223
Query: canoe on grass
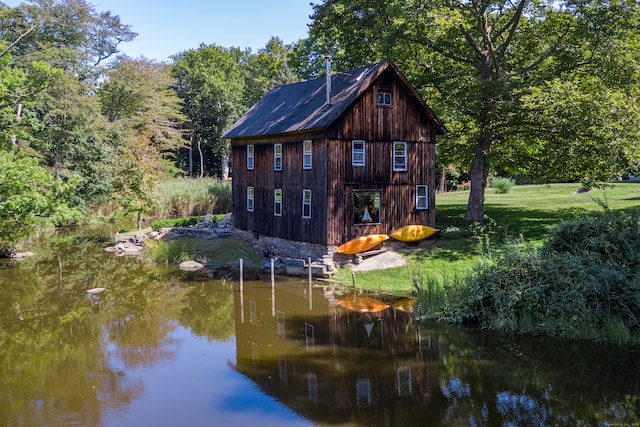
x,y
413,233
361,244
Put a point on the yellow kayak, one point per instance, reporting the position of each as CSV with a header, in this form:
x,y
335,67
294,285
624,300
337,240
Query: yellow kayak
x,y
413,233
361,244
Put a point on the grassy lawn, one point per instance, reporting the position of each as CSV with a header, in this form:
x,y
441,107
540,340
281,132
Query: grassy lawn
x,y
525,213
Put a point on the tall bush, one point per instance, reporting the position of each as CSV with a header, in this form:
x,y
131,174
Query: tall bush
x,y
584,283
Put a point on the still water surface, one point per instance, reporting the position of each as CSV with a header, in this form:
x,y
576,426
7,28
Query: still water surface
x,y
162,347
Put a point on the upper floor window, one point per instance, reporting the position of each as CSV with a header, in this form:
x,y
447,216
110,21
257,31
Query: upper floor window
x,y
277,157
422,197
306,154
277,202
250,199
399,156
357,153
384,98
306,203
250,157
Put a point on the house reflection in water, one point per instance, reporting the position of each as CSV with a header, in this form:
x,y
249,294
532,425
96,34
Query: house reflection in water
x,y
353,360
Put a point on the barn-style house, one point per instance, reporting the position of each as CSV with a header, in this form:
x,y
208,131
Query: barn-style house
x,y
327,160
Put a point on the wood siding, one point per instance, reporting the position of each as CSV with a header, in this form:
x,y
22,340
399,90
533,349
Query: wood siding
x,y
333,179
379,127
292,179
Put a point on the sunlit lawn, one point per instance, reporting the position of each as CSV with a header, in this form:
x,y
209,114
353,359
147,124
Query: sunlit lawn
x,y
525,213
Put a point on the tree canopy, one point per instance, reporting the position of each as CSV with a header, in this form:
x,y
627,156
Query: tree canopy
x,y
526,85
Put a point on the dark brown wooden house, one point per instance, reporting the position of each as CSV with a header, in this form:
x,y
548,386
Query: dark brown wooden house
x,y
326,161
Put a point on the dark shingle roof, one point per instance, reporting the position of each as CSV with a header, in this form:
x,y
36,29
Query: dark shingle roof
x,y
302,106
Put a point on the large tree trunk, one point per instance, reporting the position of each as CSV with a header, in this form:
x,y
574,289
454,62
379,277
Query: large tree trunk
x,y
201,160
14,137
191,156
479,174
224,173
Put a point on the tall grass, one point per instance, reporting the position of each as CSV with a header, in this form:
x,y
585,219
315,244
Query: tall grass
x,y
170,251
184,197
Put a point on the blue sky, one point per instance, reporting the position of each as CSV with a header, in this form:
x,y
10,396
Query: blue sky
x,y
167,27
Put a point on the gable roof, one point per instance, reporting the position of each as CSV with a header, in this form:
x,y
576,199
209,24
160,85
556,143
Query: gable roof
x,y
302,106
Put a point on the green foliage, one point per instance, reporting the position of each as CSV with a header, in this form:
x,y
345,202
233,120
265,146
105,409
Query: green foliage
x,y
29,199
581,284
502,185
183,222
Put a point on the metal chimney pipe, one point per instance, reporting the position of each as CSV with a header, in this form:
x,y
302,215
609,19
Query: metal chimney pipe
x,y
328,63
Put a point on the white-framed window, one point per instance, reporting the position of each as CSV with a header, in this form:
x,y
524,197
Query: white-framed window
x,y
250,157
357,152
422,197
399,156
306,154
384,98
250,199
306,203
277,202
277,157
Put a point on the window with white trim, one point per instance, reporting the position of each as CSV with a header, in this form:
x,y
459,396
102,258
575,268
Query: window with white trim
x,y
250,157
277,202
250,199
277,157
306,203
384,99
399,156
357,153
306,154
422,197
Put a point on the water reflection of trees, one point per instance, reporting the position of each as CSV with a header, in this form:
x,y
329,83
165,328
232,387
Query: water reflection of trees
x,y
208,310
57,365
500,379
334,366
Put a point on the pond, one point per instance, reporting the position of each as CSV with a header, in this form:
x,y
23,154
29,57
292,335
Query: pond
x,y
161,347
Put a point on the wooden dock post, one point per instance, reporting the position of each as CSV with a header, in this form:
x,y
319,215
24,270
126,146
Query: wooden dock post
x,y
241,295
310,286
273,288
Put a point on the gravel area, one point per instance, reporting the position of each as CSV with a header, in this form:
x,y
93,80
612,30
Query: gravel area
x,y
388,259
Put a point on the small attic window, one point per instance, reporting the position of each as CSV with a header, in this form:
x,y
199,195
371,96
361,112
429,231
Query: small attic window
x,y
384,99
384,92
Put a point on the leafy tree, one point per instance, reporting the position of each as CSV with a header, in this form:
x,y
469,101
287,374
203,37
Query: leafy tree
x,y
268,68
29,200
514,79
144,114
211,84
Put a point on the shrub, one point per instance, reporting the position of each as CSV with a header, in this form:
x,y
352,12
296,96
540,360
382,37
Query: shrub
x,y
582,284
502,185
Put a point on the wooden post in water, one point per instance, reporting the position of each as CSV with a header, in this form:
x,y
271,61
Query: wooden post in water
x,y
310,286
273,289
241,295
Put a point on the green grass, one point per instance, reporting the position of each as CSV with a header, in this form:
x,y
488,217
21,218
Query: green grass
x,y
525,213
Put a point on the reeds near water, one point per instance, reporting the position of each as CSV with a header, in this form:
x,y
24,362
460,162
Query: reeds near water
x,y
184,197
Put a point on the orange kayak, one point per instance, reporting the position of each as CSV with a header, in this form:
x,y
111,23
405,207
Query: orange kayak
x,y
361,244
413,233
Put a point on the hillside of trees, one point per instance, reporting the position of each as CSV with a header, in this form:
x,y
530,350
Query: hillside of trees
x,y
544,89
